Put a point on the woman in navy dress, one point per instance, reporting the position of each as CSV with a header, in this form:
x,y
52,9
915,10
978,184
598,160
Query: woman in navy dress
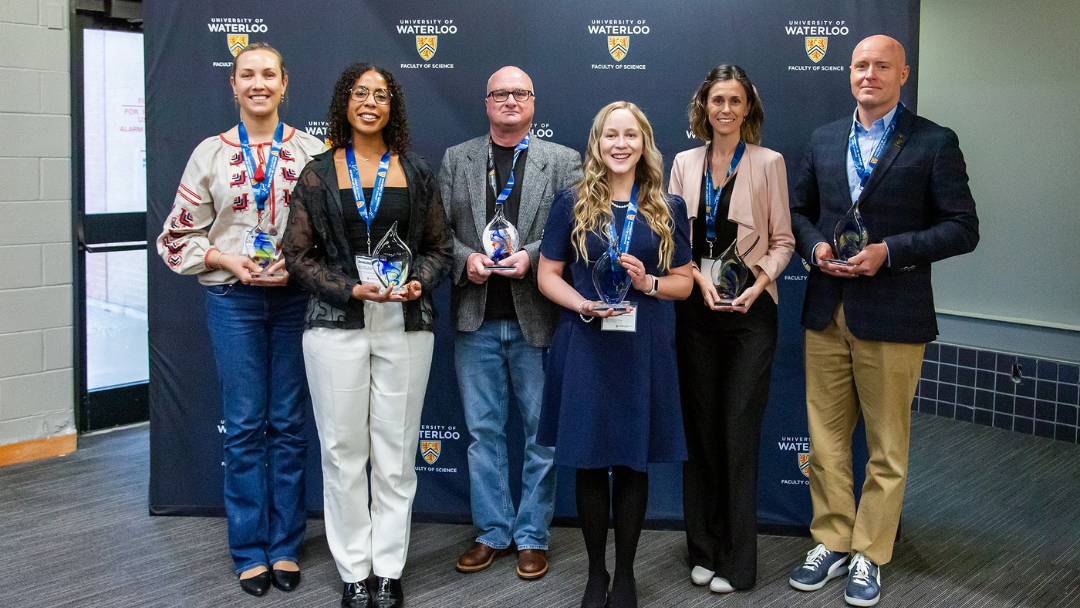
x,y
611,398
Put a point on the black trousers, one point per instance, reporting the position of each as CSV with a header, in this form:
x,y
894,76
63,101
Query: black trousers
x,y
725,364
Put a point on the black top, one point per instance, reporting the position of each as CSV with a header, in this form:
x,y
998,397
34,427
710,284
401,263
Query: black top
x,y
319,258
500,300
726,231
394,207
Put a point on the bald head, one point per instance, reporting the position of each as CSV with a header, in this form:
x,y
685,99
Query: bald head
x,y
511,119
878,70
883,44
508,74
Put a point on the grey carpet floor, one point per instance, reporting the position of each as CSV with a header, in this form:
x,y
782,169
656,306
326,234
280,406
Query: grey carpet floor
x,y
991,519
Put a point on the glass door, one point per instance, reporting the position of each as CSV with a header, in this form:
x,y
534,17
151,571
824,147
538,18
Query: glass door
x,y
110,222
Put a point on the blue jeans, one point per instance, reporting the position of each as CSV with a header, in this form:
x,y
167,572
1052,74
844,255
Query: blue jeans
x,y
256,334
487,360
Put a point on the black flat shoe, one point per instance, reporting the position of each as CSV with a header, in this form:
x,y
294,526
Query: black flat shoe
x,y
256,585
389,593
356,595
286,580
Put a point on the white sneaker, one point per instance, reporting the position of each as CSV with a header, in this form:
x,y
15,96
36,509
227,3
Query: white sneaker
x,y
720,585
701,576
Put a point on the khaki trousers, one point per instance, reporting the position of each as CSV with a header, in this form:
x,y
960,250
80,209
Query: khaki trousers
x,y
846,376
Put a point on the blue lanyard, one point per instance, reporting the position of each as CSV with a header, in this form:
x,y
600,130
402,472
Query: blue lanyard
x,y
856,155
367,212
261,190
627,231
712,201
509,187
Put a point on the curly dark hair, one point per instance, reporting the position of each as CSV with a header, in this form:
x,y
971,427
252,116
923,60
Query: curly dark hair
x,y
396,131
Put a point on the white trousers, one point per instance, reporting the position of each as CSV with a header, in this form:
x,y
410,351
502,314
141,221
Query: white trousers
x,y
367,388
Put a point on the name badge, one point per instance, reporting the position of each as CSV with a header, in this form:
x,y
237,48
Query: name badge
x,y
366,270
707,266
627,322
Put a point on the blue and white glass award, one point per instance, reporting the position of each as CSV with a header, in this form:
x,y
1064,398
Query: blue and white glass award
x,y
392,260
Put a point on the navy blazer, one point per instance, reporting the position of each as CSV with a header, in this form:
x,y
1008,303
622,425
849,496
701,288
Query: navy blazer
x,y
917,202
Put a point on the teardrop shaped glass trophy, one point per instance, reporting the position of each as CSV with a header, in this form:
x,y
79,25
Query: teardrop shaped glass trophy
x,y
611,282
392,260
849,237
263,248
729,274
500,239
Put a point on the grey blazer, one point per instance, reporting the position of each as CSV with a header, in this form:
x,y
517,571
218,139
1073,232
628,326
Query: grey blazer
x,y
549,167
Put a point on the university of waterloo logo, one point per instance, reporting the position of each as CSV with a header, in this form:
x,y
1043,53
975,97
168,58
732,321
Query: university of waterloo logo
x,y
804,464
237,42
426,46
816,47
618,47
429,451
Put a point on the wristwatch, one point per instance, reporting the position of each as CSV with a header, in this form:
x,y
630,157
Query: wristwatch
x,y
655,286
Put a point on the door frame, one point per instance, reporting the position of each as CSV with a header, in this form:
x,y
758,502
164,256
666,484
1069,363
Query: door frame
x,y
126,403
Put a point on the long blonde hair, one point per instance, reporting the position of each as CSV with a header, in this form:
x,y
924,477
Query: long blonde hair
x,y
592,211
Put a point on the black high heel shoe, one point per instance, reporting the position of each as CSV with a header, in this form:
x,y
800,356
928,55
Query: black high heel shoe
x,y
596,593
256,585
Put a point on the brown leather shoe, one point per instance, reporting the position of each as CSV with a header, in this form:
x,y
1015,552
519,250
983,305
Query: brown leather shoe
x,y
480,556
532,563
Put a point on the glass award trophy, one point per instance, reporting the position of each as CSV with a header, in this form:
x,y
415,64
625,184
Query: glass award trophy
x,y
500,239
263,248
392,260
730,273
611,282
849,237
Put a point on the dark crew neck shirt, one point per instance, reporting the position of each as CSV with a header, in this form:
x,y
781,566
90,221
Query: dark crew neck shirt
x,y
394,207
500,299
726,231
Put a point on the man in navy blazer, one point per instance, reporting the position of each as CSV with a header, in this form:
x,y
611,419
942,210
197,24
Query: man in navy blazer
x,y
867,322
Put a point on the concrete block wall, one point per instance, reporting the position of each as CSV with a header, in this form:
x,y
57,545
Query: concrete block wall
x,y
36,354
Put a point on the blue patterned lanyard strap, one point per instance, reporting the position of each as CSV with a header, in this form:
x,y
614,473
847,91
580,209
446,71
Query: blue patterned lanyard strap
x,y
623,240
367,212
261,190
712,200
509,187
861,167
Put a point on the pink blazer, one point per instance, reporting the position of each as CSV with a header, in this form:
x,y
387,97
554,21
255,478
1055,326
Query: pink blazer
x,y
759,205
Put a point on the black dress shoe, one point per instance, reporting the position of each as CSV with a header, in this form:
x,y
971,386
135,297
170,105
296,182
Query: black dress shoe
x,y
389,594
356,595
286,580
256,585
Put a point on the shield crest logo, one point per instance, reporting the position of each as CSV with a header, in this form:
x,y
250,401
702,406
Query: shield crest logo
x,y
426,46
804,464
429,450
237,42
618,47
816,47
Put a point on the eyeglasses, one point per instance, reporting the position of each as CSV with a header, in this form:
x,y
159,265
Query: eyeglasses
x,y
360,94
499,95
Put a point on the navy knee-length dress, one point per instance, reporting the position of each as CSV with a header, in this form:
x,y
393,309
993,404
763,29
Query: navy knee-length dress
x,y
611,398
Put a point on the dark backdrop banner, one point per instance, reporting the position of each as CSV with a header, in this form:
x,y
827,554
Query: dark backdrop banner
x,y
581,55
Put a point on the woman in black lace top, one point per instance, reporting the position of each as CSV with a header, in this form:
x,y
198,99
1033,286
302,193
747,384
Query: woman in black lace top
x,y
367,349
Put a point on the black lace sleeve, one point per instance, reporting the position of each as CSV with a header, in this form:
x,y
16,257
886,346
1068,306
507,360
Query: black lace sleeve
x,y
307,240
436,253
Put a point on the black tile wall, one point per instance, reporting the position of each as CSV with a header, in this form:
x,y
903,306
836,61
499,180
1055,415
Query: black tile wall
x,y
1008,391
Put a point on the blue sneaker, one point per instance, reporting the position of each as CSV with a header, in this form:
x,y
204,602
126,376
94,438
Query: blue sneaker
x,y
863,583
820,567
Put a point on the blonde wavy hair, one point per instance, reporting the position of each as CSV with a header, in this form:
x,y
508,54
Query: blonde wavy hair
x,y
592,211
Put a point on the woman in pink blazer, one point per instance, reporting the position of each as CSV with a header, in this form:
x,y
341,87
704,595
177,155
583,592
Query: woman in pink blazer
x,y
737,198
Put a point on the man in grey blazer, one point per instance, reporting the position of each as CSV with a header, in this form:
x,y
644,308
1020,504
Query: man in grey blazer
x,y
503,322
